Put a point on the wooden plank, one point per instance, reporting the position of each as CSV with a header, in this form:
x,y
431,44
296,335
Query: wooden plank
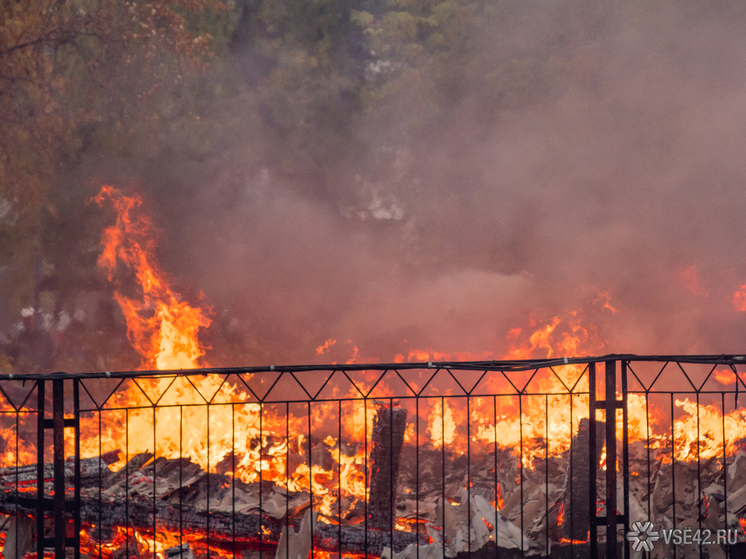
x,y
385,458
576,508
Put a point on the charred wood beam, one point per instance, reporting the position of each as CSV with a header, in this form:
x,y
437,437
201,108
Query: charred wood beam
x,y
576,507
385,458
90,469
133,465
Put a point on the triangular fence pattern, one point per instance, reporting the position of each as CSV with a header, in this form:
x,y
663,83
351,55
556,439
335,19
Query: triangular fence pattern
x,y
555,458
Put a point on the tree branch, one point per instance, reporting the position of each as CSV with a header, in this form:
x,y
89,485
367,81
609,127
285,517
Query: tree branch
x,y
63,36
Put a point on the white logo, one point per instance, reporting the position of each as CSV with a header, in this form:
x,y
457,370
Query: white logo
x,y
642,536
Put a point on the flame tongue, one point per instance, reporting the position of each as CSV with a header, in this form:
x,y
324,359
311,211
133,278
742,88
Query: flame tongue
x,y
162,328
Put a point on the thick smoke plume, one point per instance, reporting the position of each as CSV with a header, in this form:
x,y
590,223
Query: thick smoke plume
x,y
607,192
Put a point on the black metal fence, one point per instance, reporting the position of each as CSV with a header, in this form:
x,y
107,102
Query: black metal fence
x,y
425,460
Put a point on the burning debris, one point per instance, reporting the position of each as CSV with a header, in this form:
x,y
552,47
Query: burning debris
x,y
432,460
385,460
575,505
416,497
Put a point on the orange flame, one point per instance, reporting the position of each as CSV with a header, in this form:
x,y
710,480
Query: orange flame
x,y
576,542
442,425
325,347
725,377
605,298
709,444
161,327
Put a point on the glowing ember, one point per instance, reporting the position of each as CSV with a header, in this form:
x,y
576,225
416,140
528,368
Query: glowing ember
x,y
576,542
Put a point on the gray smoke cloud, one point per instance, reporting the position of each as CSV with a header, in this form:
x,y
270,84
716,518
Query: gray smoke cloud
x,y
624,176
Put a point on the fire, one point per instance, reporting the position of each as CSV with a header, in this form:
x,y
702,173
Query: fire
x,y
442,425
325,347
142,542
535,425
538,417
106,549
576,542
605,298
164,328
725,377
710,441
540,339
417,355
161,327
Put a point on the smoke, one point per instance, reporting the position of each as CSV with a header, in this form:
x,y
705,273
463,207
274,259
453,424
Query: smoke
x,y
574,151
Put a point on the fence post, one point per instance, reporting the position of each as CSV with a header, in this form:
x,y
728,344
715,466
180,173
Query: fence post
x,y
593,465
611,405
625,457
58,504
40,506
58,436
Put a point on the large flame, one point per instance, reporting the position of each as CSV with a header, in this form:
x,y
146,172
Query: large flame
x,y
161,327
164,328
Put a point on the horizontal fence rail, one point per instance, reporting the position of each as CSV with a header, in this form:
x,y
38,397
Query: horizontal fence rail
x,y
402,460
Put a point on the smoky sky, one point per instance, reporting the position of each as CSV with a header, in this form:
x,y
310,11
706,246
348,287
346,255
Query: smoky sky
x,y
624,174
